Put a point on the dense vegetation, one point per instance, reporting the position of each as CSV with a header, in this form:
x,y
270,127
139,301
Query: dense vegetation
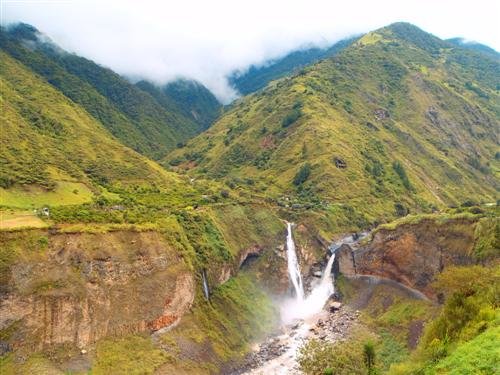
x,y
53,152
462,338
193,100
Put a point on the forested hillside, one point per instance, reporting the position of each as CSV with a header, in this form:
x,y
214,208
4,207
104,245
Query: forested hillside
x,y
193,99
132,115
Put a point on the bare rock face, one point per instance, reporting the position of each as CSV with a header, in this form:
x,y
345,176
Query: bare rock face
x,y
85,286
345,260
412,254
381,114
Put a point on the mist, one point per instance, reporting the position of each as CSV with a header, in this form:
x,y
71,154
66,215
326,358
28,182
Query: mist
x,y
207,41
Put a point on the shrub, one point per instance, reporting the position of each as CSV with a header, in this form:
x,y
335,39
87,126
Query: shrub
x,y
369,356
469,203
343,358
399,169
400,209
302,175
291,117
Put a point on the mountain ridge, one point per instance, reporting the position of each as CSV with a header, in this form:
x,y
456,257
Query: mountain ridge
x,y
257,77
362,105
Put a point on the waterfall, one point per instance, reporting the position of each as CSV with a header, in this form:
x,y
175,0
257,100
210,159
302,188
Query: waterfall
x,y
303,306
206,291
293,265
327,273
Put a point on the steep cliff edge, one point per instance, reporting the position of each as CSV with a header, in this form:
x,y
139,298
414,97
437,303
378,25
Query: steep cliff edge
x,y
415,252
79,288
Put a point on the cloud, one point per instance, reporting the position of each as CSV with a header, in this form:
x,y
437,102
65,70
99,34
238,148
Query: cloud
x,y
207,40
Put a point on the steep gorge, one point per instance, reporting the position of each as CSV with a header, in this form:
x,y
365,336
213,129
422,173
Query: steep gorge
x,y
182,268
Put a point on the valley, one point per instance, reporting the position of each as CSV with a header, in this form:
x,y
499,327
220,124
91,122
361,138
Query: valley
x,y
339,218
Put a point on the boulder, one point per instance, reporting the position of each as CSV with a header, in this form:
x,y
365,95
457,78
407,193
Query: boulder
x,y
334,306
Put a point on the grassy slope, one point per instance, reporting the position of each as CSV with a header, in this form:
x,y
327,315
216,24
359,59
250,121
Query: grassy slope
x,y
441,118
130,114
478,356
54,152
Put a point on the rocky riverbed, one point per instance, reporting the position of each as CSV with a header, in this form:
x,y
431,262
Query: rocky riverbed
x,y
278,354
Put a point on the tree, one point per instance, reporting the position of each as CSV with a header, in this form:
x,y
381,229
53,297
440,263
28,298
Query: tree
x,y
399,169
291,117
369,356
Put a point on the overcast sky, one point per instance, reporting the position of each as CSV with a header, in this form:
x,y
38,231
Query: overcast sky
x,y
206,40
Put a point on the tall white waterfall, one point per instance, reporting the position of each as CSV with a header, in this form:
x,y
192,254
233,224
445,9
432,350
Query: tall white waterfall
x,y
303,306
293,265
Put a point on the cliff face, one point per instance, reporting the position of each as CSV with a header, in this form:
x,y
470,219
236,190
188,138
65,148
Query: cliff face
x,y
78,288
412,254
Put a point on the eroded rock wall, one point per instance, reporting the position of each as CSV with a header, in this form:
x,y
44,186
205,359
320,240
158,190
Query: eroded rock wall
x,y
77,288
412,254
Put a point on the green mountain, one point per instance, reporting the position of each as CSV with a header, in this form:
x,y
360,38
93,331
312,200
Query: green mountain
x,y
193,99
54,152
257,77
398,121
133,116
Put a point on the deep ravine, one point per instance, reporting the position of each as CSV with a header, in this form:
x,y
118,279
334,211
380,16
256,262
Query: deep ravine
x,y
303,316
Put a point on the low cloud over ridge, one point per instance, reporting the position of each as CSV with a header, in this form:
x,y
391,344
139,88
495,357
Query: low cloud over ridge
x,y
206,40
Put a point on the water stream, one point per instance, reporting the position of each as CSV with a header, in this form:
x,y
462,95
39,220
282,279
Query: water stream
x,y
302,307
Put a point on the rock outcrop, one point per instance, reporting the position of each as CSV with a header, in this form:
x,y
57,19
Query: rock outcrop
x,y
412,254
